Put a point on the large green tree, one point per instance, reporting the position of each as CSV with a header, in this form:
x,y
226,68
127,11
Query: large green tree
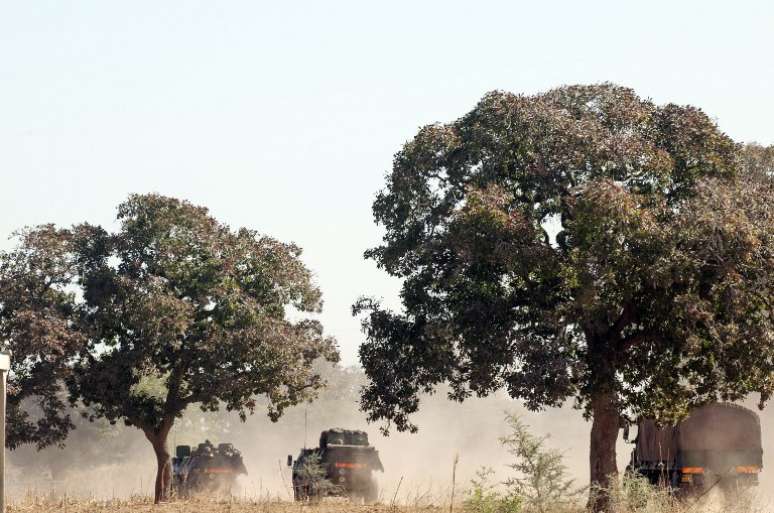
x,y
581,243
36,310
177,309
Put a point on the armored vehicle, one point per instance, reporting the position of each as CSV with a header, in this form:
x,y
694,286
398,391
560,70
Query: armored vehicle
x,y
207,469
342,465
719,443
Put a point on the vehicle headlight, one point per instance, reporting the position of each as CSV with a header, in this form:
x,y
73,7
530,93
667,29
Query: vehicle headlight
x,y
342,471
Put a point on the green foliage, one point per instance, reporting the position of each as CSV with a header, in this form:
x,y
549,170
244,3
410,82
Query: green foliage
x,y
182,310
312,472
37,306
580,243
540,484
542,480
484,497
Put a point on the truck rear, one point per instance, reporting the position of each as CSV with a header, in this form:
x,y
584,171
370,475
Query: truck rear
x,y
343,465
719,443
207,469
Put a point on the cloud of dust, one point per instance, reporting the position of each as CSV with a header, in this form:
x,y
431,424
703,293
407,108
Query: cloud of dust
x,y
117,461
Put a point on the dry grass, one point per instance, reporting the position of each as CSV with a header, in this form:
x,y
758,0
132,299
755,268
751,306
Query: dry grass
x,y
645,500
142,504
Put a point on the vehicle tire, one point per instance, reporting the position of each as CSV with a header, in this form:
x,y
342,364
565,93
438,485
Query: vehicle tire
x,y
225,485
355,497
371,493
315,495
299,492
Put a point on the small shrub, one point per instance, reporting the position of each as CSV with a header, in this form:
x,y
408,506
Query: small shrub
x,y
542,480
484,497
313,473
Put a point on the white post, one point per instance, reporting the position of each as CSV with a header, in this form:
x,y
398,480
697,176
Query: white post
x,y
5,365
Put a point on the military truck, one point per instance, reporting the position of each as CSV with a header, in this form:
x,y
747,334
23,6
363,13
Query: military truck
x,y
342,465
719,443
207,469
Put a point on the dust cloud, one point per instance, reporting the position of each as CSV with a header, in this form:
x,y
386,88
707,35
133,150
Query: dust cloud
x,y
105,461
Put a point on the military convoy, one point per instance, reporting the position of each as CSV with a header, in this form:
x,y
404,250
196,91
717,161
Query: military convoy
x,y
207,469
343,465
719,443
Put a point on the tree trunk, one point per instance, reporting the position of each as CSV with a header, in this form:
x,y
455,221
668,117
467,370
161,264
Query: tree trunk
x,y
604,435
158,439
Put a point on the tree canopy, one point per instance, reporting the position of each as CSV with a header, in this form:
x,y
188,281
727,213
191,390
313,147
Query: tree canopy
x,y
580,243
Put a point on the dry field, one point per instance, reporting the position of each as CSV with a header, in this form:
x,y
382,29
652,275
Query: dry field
x,y
139,505
143,504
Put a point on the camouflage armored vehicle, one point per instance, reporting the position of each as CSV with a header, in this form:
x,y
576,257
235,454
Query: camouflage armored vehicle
x,y
719,443
207,469
342,465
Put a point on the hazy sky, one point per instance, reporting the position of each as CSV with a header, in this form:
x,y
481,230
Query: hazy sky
x,y
284,116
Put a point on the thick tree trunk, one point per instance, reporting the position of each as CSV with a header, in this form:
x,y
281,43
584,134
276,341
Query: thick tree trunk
x,y
604,435
158,439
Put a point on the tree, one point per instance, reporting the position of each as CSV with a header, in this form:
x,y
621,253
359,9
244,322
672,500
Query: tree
x,y
35,325
178,309
581,243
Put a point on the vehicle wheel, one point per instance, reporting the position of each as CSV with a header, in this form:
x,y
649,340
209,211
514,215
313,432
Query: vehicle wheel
x,y
299,492
371,493
731,485
355,497
315,496
226,485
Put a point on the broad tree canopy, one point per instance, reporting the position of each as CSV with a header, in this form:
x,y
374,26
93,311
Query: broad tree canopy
x,y
177,298
582,243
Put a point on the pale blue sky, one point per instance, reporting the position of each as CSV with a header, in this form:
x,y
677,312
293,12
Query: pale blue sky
x,y
283,116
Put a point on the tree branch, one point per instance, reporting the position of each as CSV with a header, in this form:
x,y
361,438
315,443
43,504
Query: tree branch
x,y
626,318
634,339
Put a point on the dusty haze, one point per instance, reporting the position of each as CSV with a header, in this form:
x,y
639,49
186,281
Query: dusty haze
x,y
104,461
